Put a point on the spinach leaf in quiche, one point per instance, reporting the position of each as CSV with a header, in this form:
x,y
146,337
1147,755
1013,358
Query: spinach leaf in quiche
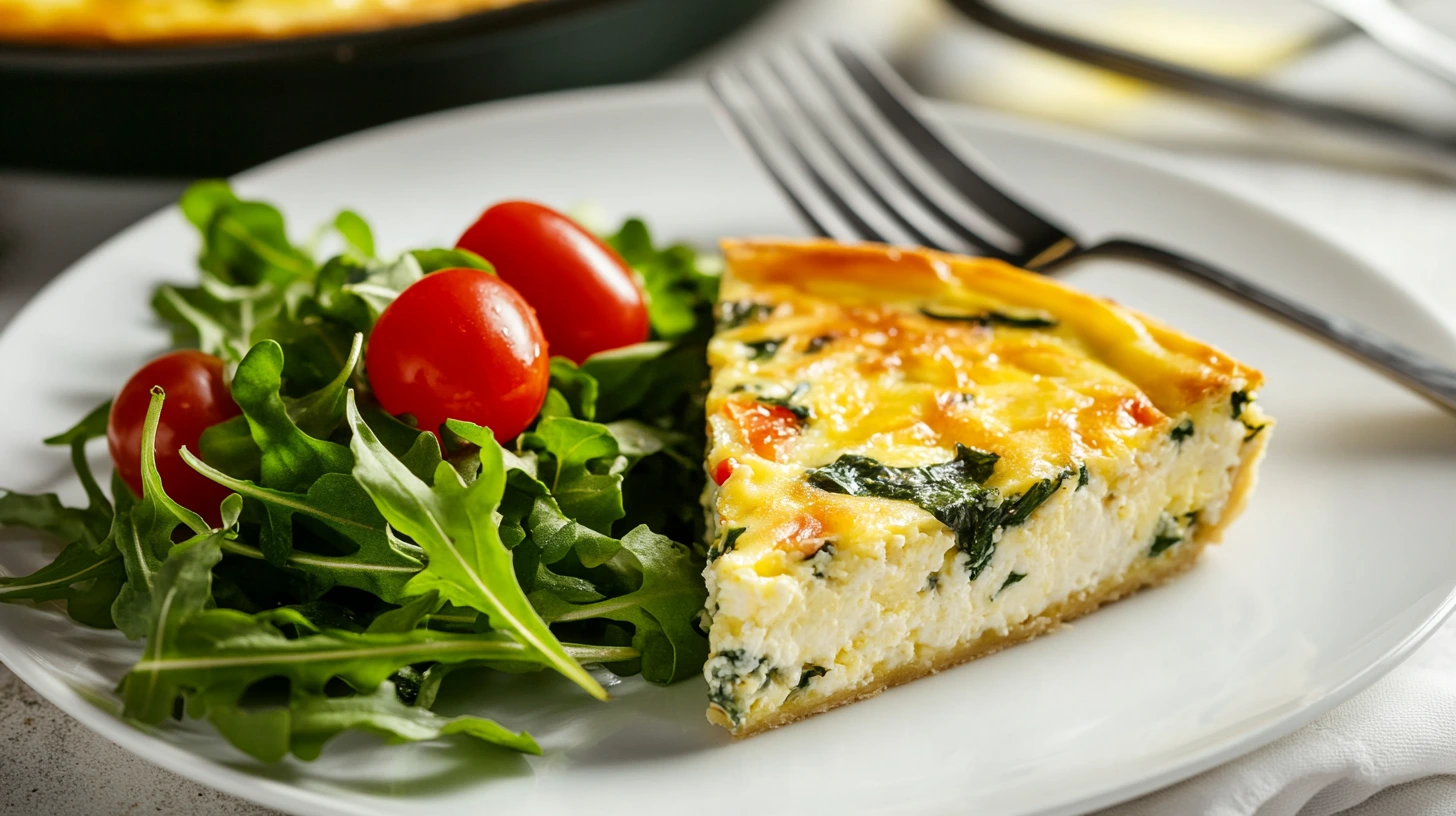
x,y
994,318
735,313
791,402
1238,402
1182,431
1011,579
1166,535
760,350
952,492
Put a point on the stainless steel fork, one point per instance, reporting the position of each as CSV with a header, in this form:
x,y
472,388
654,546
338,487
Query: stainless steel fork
x,y
838,133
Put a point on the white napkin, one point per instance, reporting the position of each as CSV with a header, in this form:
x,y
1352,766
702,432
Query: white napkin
x,y
1390,750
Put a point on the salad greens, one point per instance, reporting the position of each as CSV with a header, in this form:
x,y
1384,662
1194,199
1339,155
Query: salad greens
x,y
359,559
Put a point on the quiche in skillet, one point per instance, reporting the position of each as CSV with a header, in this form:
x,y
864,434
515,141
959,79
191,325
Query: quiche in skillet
x,y
155,22
918,459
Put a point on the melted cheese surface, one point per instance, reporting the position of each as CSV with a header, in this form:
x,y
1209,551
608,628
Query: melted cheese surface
x,y
900,355
175,21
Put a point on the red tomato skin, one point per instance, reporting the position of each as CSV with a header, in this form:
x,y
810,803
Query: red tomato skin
x,y
460,344
197,398
585,295
767,429
723,470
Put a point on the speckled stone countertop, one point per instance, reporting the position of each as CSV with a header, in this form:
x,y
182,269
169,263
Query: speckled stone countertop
x,y
51,765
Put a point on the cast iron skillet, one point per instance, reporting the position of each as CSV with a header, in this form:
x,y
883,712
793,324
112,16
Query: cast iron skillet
x,y
214,110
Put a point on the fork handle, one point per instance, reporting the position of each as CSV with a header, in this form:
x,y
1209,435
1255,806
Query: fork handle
x,y
1418,372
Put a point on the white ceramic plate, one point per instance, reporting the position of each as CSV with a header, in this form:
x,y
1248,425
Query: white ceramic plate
x,y
1342,565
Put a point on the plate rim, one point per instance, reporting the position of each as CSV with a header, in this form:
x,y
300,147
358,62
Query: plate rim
x,y
289,798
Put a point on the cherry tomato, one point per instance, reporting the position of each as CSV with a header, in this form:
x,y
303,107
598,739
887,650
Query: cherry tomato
x,y
583,292
197,399
766,428
460,344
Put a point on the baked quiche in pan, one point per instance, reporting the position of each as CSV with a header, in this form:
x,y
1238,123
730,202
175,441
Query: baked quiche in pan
x,y
918,459
158,22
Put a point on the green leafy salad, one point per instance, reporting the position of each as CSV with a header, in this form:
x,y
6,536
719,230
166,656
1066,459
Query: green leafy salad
x,y
317,560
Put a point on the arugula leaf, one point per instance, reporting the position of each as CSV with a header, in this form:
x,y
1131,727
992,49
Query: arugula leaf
x,y
406,617
244,242
290,458
293,465
638,440
199,318
354,294
590,495
418,450
96,518
88,573
433,260
203,199
381,563
356,232
181,587
576,390
679,285
314,348
230,447
530,513
215,655
86,578
661,610
320,413
143,533
454,525
43,512
374,287
311,720
646,379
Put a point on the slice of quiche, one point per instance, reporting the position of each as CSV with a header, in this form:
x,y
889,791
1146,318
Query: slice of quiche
x,y
918,459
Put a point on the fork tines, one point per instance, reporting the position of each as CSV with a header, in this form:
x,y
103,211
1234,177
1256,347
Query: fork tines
x,y
838,134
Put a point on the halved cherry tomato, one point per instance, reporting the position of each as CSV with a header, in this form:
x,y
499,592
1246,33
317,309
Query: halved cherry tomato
x,y
197,399
766,428
460,344
584,293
